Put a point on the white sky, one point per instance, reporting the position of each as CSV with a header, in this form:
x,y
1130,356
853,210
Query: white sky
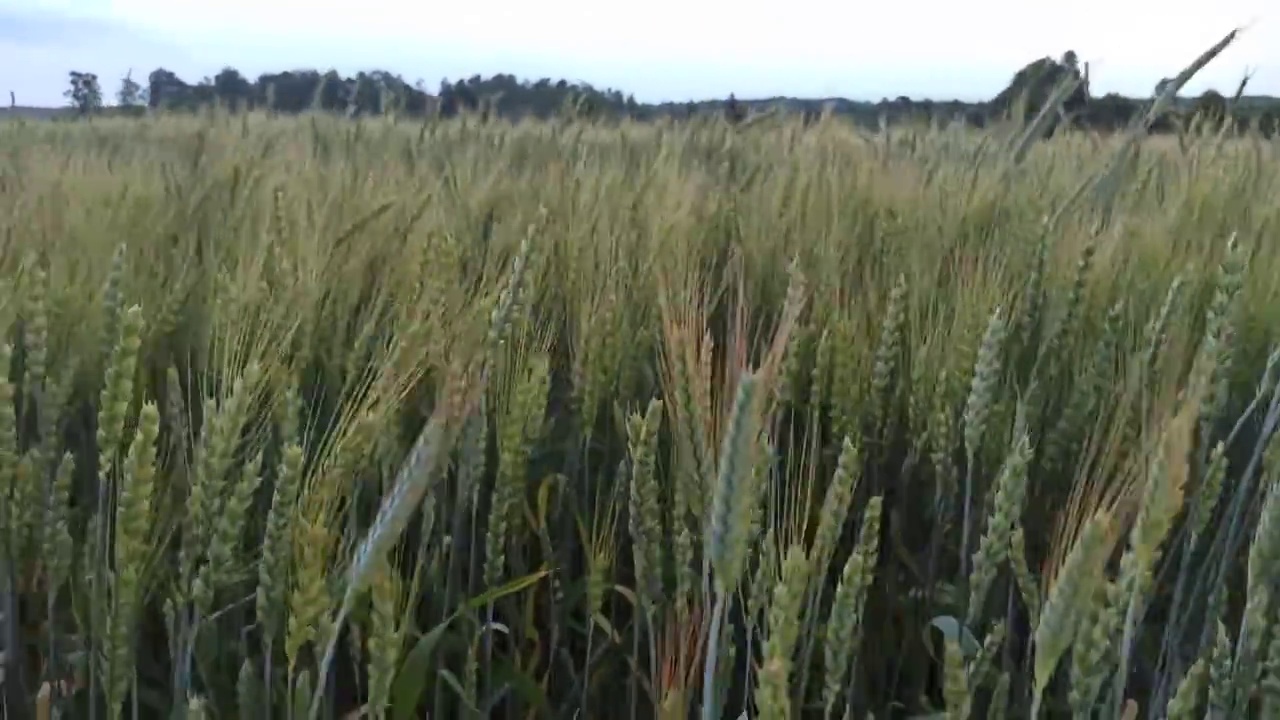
x,y
658,50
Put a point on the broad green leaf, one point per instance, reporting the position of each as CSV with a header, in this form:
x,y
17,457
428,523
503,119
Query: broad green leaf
x,y
952,629
505,589
411,681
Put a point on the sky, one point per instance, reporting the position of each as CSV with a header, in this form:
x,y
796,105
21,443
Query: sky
x,y
660,50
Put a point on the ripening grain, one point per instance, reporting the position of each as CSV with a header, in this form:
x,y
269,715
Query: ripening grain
x,y
465,419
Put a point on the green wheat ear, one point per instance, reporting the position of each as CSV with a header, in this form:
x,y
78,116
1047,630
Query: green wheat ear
x,y
840,650
730,507
978,409
994,545
773,694
1061,613
644,512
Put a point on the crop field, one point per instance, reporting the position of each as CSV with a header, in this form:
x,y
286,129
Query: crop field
x,y
316,418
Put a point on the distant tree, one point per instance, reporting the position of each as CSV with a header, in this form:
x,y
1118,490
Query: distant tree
x,y
232,89
1211,109
332,93
165,89
1111,112
130,93
506,96
84,94
733,110
1268,123
1032,86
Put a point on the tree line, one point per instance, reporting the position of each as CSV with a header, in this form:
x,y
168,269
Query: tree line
x,y
503,95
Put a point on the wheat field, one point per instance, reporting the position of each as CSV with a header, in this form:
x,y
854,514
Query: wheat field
x,y
313,418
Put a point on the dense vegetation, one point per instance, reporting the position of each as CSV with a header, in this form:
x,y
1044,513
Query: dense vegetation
x,y
306,417
505,96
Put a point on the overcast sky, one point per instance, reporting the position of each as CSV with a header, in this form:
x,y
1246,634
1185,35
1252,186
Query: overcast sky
x,y
658,49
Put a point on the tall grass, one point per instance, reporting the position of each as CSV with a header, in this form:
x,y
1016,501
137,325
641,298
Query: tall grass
x,y
305,417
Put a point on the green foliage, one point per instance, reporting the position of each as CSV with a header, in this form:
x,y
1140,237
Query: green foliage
x,y
1031,89
84,94
130,93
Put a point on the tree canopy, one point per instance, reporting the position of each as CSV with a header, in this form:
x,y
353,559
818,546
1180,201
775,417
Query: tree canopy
x,y
380,92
